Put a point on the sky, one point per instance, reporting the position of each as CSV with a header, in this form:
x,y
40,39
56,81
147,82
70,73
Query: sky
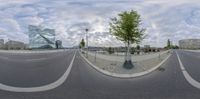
x,y
162,19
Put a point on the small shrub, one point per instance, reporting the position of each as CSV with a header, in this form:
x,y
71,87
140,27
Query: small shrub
x,y
110,50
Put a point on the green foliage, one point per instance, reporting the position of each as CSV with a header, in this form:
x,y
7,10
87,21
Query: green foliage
x,y
132,50
146,50
168,44
138,47
126,27
153,50
82,44
110,50
175,47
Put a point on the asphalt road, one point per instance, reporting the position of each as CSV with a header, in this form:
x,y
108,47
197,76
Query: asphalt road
x,y
191,61
84,82
32,70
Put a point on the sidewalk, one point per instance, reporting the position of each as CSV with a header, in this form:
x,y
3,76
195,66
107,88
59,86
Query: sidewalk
x,y
135,58
192,50
113,66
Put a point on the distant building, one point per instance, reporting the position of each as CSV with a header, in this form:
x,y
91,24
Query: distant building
x,y
189,44
41,38
14,45
1,43
147,46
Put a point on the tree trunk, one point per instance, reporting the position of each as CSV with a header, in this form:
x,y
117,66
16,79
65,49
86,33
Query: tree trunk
x,y
128,63
128,53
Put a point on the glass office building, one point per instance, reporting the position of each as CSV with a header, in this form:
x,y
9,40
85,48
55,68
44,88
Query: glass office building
x,y
41,38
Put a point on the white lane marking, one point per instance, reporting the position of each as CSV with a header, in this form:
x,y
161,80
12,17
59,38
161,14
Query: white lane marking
x,y
50,86
187,76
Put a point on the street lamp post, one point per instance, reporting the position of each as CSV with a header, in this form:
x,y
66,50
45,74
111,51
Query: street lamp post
x,y
87,41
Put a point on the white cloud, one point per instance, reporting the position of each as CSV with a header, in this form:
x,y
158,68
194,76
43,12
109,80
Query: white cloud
x,y
163,19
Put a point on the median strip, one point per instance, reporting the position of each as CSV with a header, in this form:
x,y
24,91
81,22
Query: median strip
x,y
124,75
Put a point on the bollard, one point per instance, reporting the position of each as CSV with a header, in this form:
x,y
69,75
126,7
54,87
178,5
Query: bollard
x,y
95,56
159,56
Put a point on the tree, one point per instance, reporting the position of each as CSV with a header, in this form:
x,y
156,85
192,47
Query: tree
x,y
110,50
174,47
126,28
168,44
138,49
82,43
132,50
58,44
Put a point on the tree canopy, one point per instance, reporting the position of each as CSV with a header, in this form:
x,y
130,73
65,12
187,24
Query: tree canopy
x,y
168,44
82,43
126,27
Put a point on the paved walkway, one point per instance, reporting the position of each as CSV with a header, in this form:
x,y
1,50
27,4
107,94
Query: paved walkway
x,y
114,64
135,58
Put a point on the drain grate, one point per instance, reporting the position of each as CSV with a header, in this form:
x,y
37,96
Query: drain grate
x,y
113,64
161,69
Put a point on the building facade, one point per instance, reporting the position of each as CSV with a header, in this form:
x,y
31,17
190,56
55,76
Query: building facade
x,y
189,44
15,45
41,38
1,43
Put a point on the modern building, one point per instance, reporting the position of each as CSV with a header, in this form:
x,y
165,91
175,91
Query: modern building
x,y
14,45
41,38
147,46
1,43
189,44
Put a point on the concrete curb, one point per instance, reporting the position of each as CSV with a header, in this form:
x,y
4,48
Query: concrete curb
x,y
124,75
195,51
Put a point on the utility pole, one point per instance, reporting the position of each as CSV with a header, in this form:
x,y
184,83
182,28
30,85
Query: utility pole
x,y
86,30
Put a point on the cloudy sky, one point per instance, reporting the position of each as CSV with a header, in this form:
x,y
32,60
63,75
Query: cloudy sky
x,y
163,19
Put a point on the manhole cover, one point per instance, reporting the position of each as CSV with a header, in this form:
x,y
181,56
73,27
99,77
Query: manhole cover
x,y
161,69
113,64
